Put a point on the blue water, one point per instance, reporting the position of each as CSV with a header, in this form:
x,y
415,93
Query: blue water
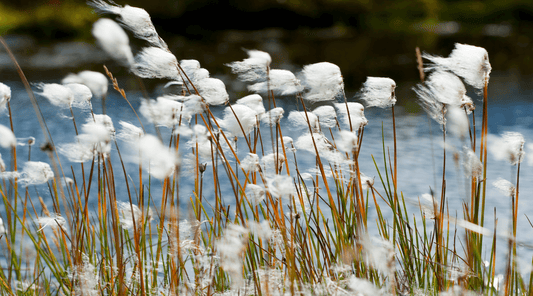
x,y
419,150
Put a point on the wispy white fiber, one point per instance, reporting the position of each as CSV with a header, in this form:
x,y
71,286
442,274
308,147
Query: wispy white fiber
x,y
95,81
510,147
231,247
55,221
7,137
272,163
154,62
255,193
467,61
87,278
35,173
252,69
213,90
357,116
113,40
298,119
457,121
135,19
446,88
57,94
130,214
378,92
434,108
5,96
81,95
280,186
164,112
238,116
129,132
506,188
472,164
322,82
326,116
272,116
250,162
346,141
161,160
255,102
281,82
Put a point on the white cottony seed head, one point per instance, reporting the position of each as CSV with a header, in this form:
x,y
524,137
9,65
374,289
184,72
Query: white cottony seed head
x,y
252,69
299,119
95,81
509,147
273,116
213,90
467,61
154,62
356,111
322,82
506,188
129,132
5,96
57,94
7,137
472,164
255,102
161,160
281,82
164,112
81,95
378,92
35,173
113,41
135,19
55,221
326,116
238,116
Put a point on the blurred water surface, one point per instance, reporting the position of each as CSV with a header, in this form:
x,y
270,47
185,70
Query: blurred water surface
x,y
419,150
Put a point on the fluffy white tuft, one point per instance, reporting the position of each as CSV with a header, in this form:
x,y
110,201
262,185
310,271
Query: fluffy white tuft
x,y
81,95
255,102
252,69
281,82
35,173
113,41
213,90
164,112
5,96
346,141
272,116
467,61
7,137
506,188
322,81
472,164
357,116
135,19
299,119
510,147
326,116
154,62
378,92
239,116
57,94
95,81
161,160
129,132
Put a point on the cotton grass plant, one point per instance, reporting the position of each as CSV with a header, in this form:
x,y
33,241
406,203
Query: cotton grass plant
x,y
267,226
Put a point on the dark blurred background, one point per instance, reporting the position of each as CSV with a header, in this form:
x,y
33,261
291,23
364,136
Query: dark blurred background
x,y
363,37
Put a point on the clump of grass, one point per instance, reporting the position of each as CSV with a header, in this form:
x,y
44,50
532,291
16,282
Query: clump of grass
x,y
266,225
